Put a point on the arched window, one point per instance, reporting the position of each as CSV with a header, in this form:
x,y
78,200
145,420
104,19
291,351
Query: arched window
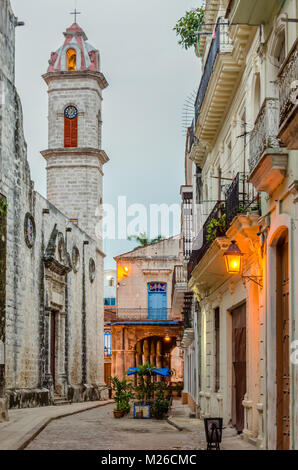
x,y
71,127
71,59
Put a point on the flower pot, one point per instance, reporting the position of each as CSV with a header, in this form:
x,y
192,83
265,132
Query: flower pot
x,y
118,414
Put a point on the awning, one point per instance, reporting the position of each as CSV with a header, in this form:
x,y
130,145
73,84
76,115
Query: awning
x,y
165,372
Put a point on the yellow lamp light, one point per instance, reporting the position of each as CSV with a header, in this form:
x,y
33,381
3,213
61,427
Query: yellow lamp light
x,y
167,337
126,269
233,258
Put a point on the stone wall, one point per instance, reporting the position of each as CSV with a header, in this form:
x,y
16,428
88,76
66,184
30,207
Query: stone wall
x,y
43,279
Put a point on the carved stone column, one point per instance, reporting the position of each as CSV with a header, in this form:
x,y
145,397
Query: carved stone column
x,y
138,353
146,351
152,352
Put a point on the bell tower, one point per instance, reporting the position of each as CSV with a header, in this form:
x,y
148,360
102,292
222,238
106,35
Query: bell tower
x,y
74,156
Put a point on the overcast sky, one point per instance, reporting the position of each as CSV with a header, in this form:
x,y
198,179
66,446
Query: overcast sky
x,y
150,77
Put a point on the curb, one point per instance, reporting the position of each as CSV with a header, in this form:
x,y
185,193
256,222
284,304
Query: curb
x,y
172,423
46,421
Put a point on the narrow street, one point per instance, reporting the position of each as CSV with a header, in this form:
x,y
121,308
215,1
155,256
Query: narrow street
x,y
98,430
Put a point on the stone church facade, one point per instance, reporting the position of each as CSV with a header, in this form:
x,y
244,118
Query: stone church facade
x,y
51,263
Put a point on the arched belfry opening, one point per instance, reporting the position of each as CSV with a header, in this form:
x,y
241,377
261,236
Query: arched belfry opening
x,y
71,59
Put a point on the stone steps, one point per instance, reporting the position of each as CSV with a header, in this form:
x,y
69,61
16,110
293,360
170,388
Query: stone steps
x,y
60,401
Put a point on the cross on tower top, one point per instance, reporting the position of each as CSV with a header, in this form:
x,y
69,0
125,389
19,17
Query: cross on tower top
x,y
75,13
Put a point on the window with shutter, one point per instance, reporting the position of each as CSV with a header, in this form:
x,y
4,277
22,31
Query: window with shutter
x,y
70,127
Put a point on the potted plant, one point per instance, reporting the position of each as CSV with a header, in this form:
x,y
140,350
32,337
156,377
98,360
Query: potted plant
x,y
144,389
160,408
122,396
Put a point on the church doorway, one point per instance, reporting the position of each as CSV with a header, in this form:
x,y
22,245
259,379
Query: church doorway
x,y
53,347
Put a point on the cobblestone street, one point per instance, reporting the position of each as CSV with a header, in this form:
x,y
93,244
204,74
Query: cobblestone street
x,y
98,430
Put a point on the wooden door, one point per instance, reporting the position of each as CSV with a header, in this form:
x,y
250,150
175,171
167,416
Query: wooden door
x,y
282,346
53,347
239,365
107,372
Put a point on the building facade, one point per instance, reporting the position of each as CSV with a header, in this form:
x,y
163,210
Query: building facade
x,y
241,181
147,326
51,289
110,310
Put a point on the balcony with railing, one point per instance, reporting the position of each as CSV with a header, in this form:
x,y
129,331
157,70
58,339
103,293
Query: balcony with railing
x,y
288,99
187,200
179,289
241,199
220,75
145,315
268,162
215,226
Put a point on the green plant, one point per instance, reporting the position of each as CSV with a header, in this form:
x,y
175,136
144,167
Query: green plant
x,y
123,393
160,408
161,389
215,227
145,387
143,239
187,27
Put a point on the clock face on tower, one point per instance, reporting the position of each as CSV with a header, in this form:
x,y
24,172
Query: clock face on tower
x,y
71,112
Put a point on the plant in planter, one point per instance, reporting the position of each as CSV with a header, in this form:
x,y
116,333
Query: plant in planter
x,y
215,228
187,27
145,387
160,408
122,396
161,390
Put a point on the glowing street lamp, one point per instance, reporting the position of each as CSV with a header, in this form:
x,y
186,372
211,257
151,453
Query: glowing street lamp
x,y
167,337
233,259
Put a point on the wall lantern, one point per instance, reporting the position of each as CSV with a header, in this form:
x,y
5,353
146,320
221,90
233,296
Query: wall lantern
x,y
126,269
233,258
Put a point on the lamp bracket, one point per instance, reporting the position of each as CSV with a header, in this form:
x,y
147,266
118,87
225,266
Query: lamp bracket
x,y
254,279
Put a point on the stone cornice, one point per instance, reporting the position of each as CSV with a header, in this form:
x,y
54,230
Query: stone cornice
x,y
98,76
69,151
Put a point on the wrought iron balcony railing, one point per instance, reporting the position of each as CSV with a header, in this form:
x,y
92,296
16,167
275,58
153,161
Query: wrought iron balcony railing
x,y
240,198
288,83
220,43
265,131
215,226
191,137
145,314
187,224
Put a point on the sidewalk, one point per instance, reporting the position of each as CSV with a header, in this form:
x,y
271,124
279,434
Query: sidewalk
x,y
179,416
25,424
